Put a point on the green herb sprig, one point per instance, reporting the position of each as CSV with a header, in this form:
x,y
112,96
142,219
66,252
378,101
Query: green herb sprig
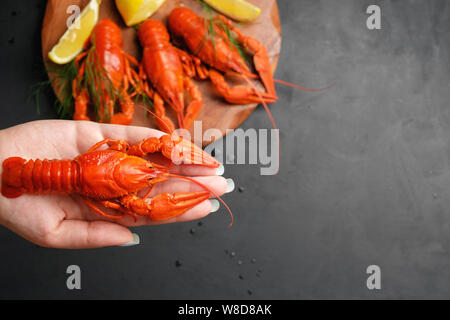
x,y
95,80
62,78
211,21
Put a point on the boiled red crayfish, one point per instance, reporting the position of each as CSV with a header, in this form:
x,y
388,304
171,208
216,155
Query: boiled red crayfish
x,y
104,76
211,44
113,177
161,64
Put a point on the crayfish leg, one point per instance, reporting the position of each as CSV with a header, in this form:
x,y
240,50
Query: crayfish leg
x,y
118,145
192,66
239,94
260,55
127,110
81,102
125,117
195,105
107,204
164,122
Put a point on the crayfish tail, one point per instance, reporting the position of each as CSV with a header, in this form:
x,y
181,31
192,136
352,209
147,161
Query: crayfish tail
x,y
38,176
12,177
12,192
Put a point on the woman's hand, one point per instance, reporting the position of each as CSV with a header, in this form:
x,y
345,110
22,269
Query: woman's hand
x,y
61,221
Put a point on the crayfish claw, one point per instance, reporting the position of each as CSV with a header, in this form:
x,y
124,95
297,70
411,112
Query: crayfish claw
x,y
177,150
182,151
166,206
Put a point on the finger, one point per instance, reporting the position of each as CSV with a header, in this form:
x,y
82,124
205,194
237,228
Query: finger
x,y
185,169
78,234
191,170
198,212
131,134
92,132
217,185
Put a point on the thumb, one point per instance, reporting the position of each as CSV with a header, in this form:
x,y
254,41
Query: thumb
x,y
78,234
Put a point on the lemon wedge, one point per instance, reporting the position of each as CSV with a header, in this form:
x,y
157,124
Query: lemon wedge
x,y
72,41
136,11
239,10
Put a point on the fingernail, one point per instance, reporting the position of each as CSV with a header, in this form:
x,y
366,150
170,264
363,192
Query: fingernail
x,y
230,185
135,242
215,205
220,170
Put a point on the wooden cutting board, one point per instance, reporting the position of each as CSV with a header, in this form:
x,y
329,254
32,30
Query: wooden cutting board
x,y
216,112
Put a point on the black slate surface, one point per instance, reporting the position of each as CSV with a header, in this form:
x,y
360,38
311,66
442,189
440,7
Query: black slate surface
x,y
364,176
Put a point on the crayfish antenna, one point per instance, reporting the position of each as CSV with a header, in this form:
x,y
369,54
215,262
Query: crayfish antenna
x,y
302,88
207,189
296,86
262,101
169,129
268,113
180,118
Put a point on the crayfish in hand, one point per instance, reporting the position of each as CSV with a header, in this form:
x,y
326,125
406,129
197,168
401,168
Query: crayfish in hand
x,y
112,177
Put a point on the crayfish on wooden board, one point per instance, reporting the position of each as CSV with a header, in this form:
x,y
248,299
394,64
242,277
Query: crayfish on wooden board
x,y
104,77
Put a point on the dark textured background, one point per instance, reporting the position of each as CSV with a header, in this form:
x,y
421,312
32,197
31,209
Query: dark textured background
x,y
364,176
